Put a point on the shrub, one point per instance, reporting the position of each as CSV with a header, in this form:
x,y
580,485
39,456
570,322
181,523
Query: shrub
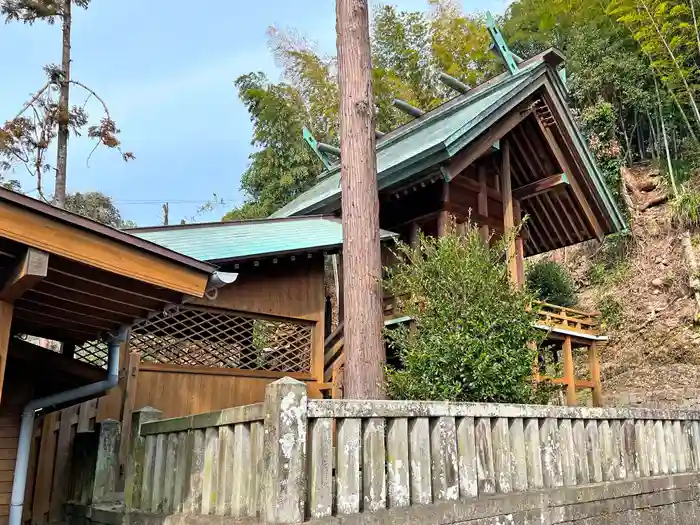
x,y
685,208
611,264
472,328
611,311
551,282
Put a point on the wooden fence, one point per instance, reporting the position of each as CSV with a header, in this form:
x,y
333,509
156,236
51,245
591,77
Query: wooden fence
x,y
293,459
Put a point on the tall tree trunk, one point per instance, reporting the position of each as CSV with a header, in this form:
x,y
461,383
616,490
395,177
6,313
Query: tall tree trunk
x,y
652,139
63,111
695,23
364,346
663,133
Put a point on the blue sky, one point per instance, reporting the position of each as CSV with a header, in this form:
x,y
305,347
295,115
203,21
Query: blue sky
x,y
166,71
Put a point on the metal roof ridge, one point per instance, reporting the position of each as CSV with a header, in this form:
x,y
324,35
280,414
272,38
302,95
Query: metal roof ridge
x,y
147,229
448,107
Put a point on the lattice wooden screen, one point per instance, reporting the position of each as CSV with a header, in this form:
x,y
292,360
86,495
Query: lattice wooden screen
x,y
93,353
194,336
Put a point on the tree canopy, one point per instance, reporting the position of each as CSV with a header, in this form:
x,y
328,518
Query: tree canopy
x,y
618,53
97,206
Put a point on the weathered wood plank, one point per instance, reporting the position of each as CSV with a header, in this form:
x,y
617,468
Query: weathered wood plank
x,y
535,477
486,476
224,488
348,466
444,464
170,472
320,485
148,473
466,449
373,464
241,469
255,484
595,462
399,489
181,474
551,453
159,474
502,461
193,498
518,466
210,472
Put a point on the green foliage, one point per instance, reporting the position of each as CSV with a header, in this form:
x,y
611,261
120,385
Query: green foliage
x,y
472,327
98,207
685,209
610,264
611,311
281,168
551,282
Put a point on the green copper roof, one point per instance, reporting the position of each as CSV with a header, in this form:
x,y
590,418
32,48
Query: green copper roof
x,y
240,240
430,139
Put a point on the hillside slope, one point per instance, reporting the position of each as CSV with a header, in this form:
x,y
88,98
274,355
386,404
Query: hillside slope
x,y
640,284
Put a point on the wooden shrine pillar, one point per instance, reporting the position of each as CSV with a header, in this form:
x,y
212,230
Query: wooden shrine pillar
x,y
569,376
508,215
444,225
519,248
483,202
594,368
6,310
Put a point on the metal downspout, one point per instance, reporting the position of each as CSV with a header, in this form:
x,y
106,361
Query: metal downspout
x,y
28,414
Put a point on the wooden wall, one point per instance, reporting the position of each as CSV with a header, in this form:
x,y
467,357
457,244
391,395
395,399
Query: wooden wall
x,y
179,391
289,289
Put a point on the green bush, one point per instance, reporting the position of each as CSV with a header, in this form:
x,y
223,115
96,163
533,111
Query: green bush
x,y
471,326
610,264
552,283
611,311
685,208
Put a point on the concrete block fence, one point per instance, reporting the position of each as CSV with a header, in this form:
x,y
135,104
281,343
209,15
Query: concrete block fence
x,y
293,460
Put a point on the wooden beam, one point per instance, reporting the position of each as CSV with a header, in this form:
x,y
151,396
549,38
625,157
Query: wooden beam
x,y
508,219
594,367
444,218
569,378
540,186
482,145
6,310
55,237
483,201
519,248
564,165
31,269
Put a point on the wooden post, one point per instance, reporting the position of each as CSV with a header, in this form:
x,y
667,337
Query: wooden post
x,y
569,377
519,249
284,452
483,202
128,387
5,325
137,456
594,367
444,218
107,465
508,220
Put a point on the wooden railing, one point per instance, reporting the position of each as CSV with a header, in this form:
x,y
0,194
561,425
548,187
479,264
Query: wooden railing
x,y
569,319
